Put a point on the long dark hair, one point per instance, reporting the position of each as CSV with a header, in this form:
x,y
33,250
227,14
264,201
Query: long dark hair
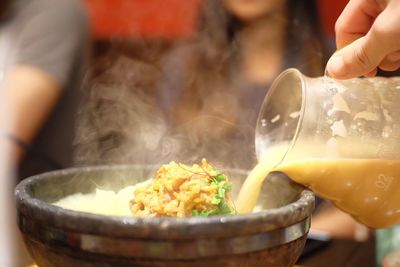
x,y
304,35
5,6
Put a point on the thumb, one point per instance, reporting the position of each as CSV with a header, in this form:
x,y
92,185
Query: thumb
x,y
358,58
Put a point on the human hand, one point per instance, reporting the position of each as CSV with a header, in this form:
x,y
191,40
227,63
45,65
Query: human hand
x,y
367,37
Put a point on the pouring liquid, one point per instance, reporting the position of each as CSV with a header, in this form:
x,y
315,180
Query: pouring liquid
x,y
367,189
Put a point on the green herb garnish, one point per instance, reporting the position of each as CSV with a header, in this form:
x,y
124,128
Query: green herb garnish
x,y
223,188
220,177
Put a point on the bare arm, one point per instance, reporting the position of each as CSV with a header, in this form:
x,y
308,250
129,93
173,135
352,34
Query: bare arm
x,y
32,95
49,40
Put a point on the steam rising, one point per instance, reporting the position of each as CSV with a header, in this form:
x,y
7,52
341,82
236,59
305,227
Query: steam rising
x,y
122,121
119,123
154,102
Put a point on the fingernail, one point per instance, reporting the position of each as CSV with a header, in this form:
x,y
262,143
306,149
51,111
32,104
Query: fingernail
x,y
335,66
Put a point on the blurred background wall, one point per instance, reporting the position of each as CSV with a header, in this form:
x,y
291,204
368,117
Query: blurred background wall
x,y
168,18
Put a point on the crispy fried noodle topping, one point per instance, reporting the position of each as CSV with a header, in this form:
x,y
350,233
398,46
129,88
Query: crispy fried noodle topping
x,y
180,190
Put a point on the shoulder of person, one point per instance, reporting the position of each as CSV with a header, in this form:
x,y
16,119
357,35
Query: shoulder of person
x,y
70,13
51,35
72,9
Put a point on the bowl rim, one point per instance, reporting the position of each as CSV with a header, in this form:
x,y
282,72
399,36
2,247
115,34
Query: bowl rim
x,y
166,228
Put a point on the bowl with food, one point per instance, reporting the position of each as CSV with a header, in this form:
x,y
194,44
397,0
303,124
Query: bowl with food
x,y
173,215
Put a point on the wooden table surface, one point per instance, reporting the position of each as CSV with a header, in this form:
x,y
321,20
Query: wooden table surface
x,y
339,253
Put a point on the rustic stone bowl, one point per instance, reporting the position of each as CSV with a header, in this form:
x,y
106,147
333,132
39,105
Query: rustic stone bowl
x,y
58,237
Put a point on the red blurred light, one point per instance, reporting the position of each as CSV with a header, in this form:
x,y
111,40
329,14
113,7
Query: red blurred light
x,y
143,18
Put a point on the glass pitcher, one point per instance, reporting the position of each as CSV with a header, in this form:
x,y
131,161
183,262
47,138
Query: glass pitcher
x,y
340,138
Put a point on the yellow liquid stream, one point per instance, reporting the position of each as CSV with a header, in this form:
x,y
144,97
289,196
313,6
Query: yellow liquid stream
x,y
367,189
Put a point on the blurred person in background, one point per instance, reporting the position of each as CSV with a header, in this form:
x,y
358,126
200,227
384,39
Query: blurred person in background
x,y
43,50
43,53
215,83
